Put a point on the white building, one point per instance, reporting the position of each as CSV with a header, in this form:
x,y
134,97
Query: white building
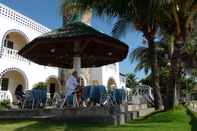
x,y
16,30
123,80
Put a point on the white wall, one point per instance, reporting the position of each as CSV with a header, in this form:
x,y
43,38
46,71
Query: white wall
x,y
104,73
34,72
108,72
11,25
96,74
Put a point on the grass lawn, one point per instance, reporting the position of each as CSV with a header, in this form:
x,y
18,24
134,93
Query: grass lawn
x,y
177,120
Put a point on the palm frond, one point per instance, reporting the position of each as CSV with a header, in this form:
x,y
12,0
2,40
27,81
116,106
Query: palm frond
x,y
121,26
137,54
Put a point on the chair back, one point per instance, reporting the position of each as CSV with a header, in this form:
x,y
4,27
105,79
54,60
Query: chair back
x,y
119,95
86,92
97,92
40,97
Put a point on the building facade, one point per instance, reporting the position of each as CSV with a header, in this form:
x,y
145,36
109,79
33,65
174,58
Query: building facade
x,y
16,30
123,79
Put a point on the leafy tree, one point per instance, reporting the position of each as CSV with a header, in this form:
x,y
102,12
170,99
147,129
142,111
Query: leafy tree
x,y
177,20
189,84
149,26
130,80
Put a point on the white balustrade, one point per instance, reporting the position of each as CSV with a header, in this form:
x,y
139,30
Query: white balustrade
x,y
5,95
13,54
19,18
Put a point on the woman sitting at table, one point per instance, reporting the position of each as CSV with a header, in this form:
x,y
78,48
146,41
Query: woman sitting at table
x,y
20,95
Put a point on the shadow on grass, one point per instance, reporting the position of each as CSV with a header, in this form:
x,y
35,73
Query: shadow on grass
x,y
15,121
42,125
155,117
193,121
51,125
155,120
48,125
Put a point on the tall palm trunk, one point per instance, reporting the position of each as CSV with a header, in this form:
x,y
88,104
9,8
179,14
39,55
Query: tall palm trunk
x,y
175,73
155,75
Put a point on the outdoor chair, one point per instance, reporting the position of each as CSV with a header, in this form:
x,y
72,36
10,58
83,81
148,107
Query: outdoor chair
x,y
107,99
29,100
90,94
97,94
115,96
86,93
70,101
119,96
55,101
40,97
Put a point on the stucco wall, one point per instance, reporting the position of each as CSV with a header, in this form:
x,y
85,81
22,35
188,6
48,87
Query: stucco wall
x,y
34,72
109,72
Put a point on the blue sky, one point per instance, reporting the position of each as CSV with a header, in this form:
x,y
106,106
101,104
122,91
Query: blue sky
x,y
47,12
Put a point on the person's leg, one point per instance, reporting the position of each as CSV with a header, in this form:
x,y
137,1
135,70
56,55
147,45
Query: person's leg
x,y
64,101
19,101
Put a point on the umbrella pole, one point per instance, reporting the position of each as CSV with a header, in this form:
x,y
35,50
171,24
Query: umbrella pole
x,y
77,64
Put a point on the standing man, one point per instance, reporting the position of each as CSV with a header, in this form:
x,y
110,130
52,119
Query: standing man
x,y
70,88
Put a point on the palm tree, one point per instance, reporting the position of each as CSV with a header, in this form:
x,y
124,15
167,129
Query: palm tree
x,y
149,27
177,20
130,80
143,55
132,13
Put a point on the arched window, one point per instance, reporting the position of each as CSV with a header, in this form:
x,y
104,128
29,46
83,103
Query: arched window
x,y
111,84
8,42
4,84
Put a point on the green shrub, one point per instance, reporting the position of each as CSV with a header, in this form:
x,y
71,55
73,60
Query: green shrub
x,y
40,85
5,104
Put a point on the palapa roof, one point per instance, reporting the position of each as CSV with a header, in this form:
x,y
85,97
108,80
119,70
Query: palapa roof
x,y
58,47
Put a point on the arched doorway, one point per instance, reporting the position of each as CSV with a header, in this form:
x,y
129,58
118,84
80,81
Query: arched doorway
x,y
111,84
14,39
53,85
10,79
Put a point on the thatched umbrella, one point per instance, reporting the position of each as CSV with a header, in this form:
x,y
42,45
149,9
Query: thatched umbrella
x,y
75,45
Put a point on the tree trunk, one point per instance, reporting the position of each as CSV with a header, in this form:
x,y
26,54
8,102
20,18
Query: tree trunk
x,y
175,74
155,75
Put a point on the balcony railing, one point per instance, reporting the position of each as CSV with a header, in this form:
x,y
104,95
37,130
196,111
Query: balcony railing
x,y
19,18
5,95
13,54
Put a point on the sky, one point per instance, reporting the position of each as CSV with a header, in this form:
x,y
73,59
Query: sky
x,y
47,12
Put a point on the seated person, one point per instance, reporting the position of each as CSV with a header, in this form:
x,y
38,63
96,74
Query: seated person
x,y
79,91
20,95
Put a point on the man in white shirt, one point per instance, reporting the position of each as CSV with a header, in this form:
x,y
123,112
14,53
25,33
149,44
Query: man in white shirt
x,y
71,83
70,86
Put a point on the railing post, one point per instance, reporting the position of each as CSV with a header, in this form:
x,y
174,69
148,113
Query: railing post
x,y
13,54
4,95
